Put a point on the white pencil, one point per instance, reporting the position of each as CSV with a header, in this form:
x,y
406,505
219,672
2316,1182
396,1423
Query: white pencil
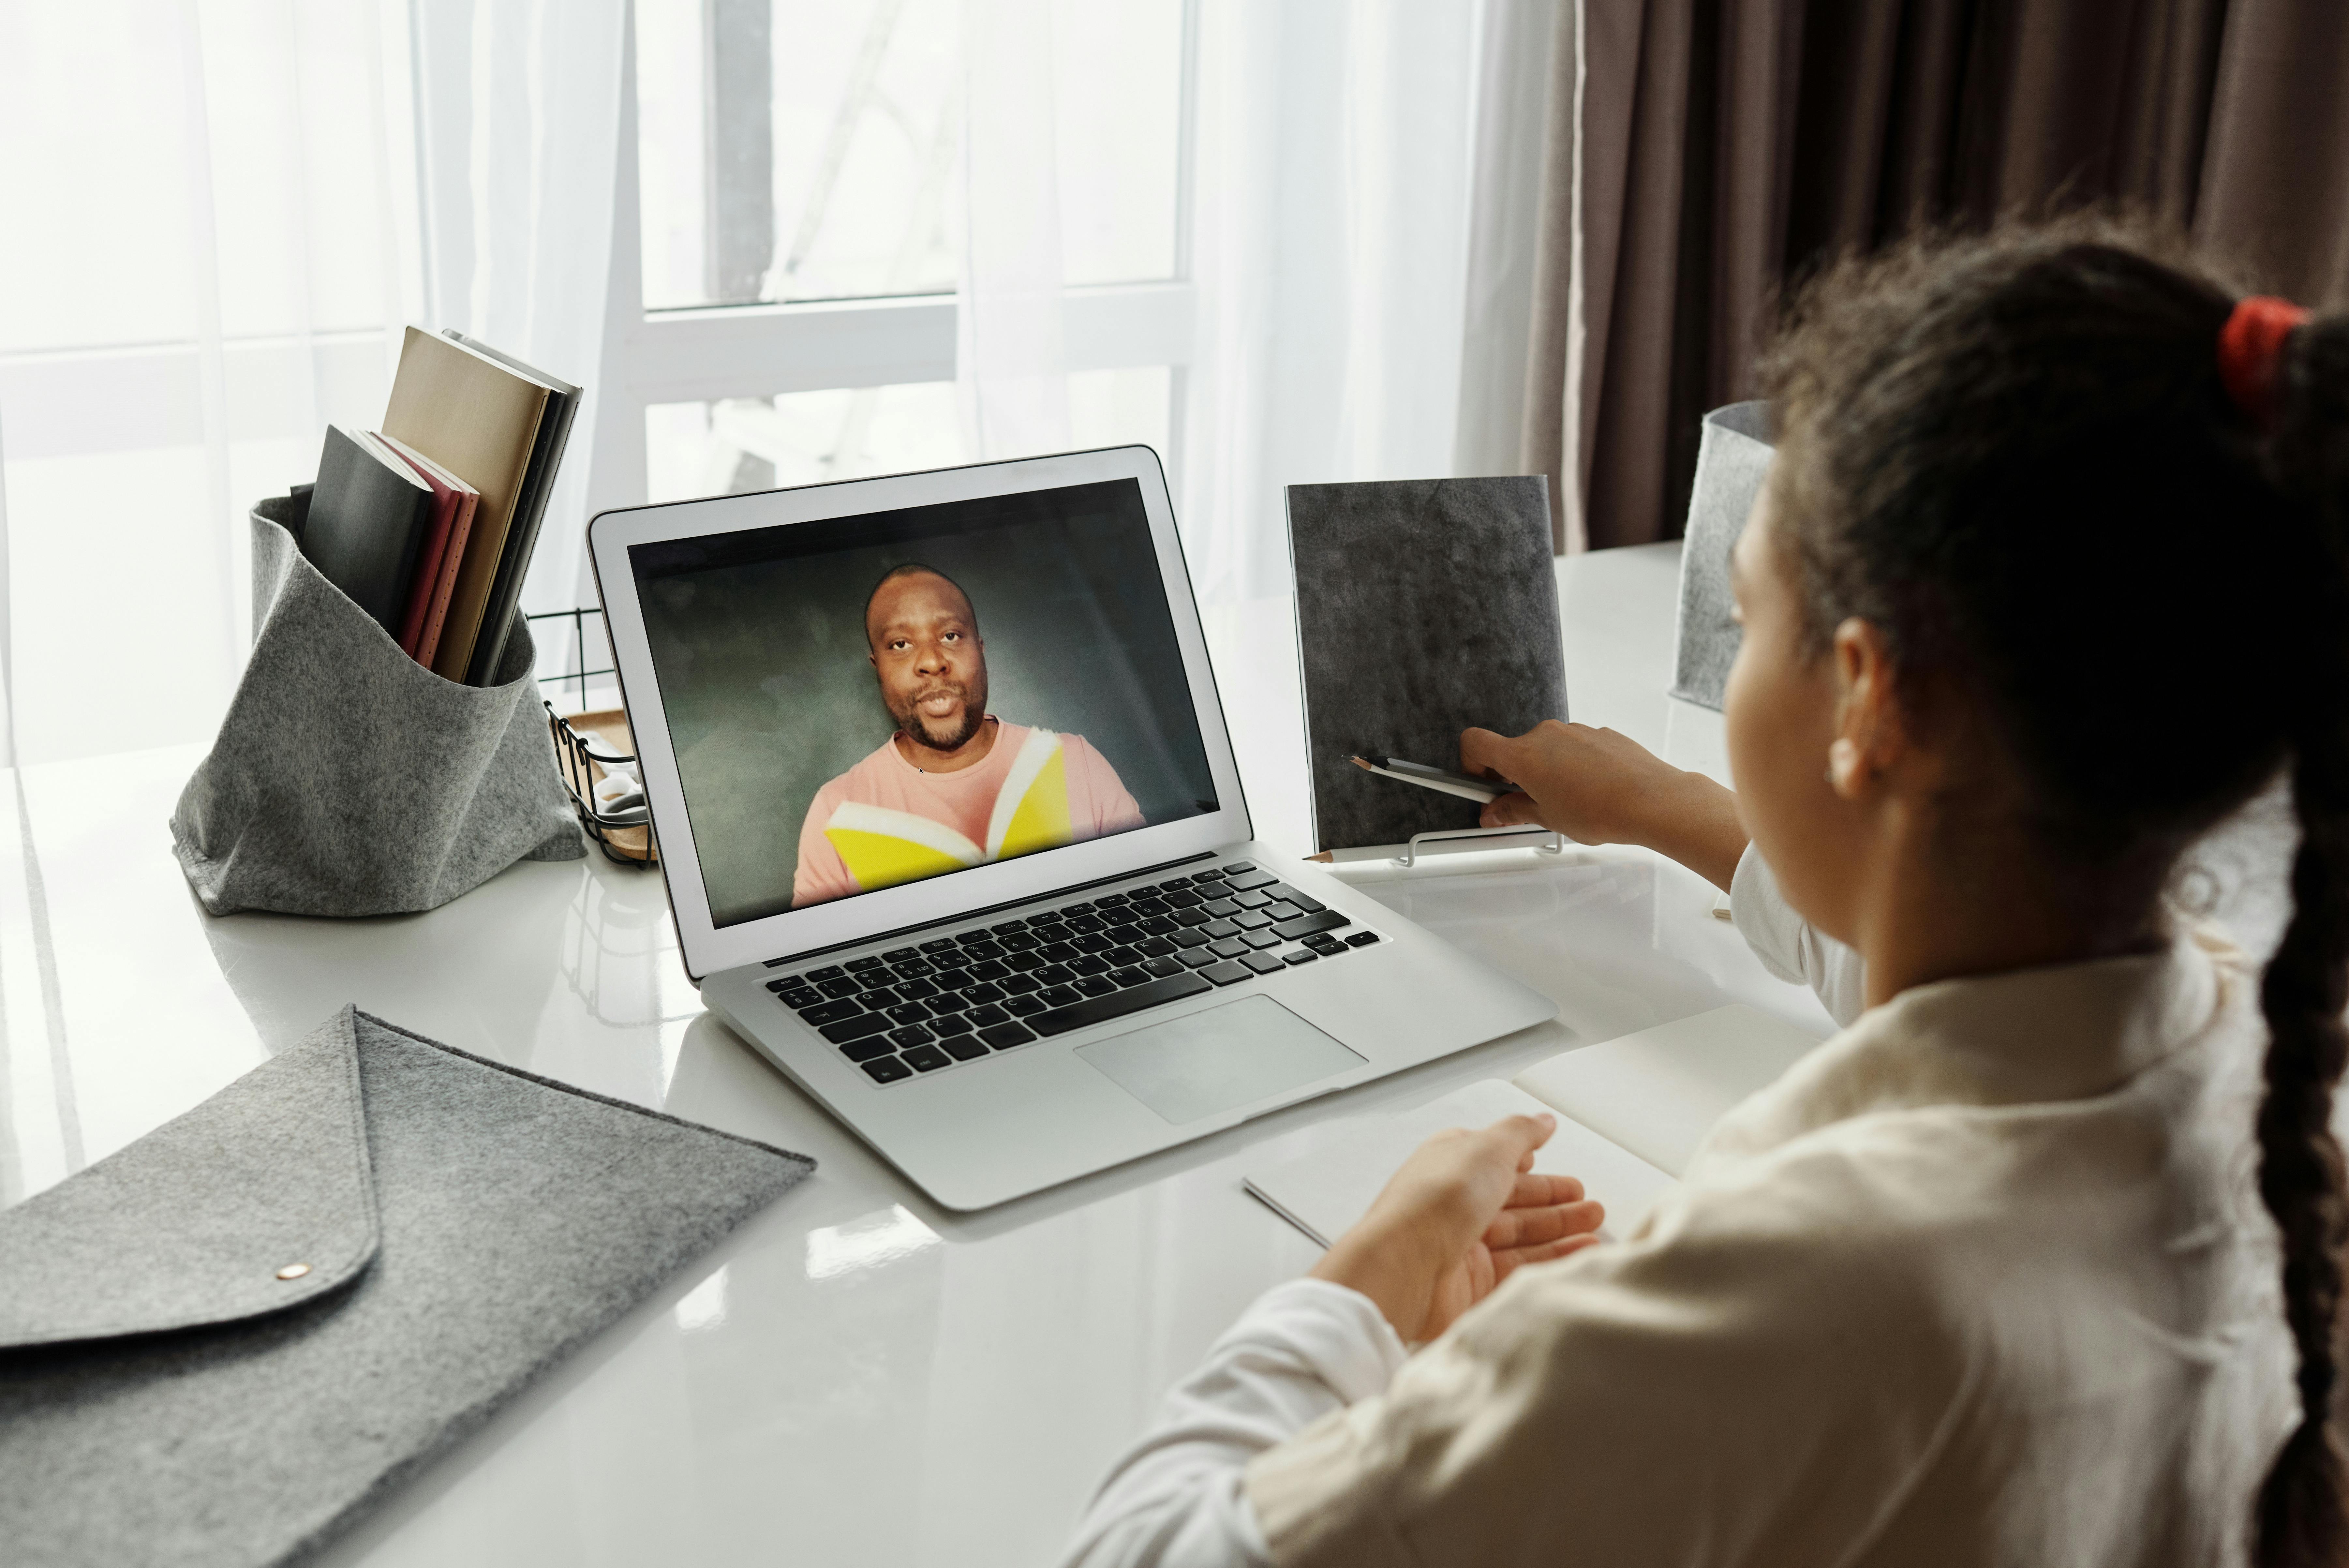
x,y
1482,791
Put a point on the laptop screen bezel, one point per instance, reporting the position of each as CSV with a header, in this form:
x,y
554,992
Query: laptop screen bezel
x,y
709,948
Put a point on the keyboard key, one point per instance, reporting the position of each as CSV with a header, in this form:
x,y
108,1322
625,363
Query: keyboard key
x,y
1071,910
789,983
1091,942
1171,883
855,1028
1061,996
1007,928
1299,956
1250,879
1306,925
909,1012
864,1050
1263,938
947,1027
1121,957
1264,963
840,986
952,979
942,945
899,955
988,969
1004,1036
1220,929
801,996
1090,963
987,1016
1197,958
964,1047
1251,900
1154,925
1154,946
1027,962
1087,923
915,990
1132,974
983,952
1097,985
1251,919
1018,984
1289,895
1282,909
888,1070
1239,868
1212,874
926,1059
1118,1004
1056,975
1230,948
1049,919
1222,908
952,1001
1361,939
857,966
1108,901
1325,945
911,1035
1019,943
1148,908
985,991
879,997
830,972
908,968
1224,974
1162,967
968,939
1189,916
1188,938
1022,1006
1060,951
1180,899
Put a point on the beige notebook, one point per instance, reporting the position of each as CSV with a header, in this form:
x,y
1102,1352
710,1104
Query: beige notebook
x,y
479,420
1631,1113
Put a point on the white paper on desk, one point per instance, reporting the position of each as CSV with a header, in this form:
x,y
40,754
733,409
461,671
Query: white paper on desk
x,y
1632,1112
1324,1192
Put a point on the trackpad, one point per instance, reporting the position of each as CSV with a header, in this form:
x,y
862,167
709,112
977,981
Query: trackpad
x,y
1207,1062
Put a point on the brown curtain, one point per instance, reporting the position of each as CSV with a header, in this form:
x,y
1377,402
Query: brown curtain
x,y
1729,145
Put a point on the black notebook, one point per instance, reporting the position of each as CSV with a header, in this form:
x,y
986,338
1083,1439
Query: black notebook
x,y
1423,606
529,508
369,513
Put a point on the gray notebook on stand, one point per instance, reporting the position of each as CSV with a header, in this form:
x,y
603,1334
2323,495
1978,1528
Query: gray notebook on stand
x,y
1423,606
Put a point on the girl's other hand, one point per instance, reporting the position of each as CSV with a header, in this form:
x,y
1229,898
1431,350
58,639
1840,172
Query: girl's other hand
x,y
1464,1213
1597,786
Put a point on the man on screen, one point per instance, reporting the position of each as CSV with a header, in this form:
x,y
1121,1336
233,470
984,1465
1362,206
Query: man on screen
x,y
955,786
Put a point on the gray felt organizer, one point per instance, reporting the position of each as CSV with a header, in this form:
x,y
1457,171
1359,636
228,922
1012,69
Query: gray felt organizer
x,y
224,1344
348,778
1732,459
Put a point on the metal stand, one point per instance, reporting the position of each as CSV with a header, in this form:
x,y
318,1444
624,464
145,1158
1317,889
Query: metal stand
x,y
1410,855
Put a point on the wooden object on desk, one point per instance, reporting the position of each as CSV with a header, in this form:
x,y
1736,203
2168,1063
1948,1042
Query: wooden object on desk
x,y
611,725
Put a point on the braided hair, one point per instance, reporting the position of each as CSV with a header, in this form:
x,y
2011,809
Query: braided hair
x,y
2015,454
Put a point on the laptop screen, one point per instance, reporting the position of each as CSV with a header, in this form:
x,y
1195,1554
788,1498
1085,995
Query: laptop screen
x,y
857,703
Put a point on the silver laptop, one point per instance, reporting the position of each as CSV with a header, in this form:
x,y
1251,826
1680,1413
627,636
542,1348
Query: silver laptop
x,y
954,837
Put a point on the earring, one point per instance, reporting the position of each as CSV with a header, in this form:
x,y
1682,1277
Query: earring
x,y
1844,765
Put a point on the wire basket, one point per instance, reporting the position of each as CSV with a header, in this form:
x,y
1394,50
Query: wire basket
x,y
626,834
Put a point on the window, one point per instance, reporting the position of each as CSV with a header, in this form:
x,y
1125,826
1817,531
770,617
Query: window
x,y
783,305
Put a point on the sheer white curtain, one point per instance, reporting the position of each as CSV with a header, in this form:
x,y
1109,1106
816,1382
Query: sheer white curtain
x,y
221,213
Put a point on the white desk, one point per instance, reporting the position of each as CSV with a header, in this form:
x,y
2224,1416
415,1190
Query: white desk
x,y
854,1376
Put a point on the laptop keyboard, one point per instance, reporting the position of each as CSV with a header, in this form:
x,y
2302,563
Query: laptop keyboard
x,y
914,1010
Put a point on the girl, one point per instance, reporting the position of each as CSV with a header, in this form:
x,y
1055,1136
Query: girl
x,y
2028,1264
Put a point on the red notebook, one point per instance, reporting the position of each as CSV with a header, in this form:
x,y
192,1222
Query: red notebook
x,y
426,607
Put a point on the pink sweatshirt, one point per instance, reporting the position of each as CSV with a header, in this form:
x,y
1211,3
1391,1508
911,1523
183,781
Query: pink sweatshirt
x,y
963,800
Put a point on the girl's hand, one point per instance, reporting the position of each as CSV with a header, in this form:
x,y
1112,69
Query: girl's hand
x,y
1597,786
1463,1212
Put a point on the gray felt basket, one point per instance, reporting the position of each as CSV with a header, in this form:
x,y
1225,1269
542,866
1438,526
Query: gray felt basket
x,y
351,780
1732,457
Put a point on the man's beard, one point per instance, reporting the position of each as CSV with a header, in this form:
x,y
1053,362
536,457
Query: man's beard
x,y
918,730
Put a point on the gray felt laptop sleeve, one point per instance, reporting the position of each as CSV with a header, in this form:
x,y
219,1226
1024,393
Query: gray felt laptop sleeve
x,y
1732,459
453,1228
347,779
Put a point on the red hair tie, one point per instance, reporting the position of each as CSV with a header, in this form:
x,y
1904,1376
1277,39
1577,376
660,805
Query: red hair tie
x,y
2249,348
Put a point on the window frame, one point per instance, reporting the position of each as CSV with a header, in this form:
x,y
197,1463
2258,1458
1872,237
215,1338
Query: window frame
x,y
708,353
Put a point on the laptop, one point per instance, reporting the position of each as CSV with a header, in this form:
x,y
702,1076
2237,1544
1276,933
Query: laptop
x,y
954,837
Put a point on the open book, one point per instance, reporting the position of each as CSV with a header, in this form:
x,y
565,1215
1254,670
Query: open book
x,y
1631,1113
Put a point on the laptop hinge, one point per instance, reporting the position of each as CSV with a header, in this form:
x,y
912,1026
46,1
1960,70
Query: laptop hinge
x,y
989,909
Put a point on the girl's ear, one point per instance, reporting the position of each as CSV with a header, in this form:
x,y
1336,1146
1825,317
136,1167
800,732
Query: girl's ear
x,y
1869,738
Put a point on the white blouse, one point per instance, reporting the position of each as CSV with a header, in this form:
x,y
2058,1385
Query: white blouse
x,y
1984,1279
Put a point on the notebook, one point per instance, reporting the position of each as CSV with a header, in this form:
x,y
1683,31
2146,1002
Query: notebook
x,y
479,419
370,518
1423,606
454,502
1631,1114
530,507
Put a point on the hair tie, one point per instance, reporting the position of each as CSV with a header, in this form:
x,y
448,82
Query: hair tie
x,y
2250,346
